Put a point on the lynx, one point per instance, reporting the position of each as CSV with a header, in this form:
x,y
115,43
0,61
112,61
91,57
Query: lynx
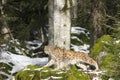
x,y
62,58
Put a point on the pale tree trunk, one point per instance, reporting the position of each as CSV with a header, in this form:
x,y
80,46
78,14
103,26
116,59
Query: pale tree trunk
x,y
51,21
5,31
59,23
75,8
74,12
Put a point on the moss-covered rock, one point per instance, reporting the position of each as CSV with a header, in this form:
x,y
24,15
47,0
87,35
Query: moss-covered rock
x,y
108,61
106,53
99,50
36,73
100,45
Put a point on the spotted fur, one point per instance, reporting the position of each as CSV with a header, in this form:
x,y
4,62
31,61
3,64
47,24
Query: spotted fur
x,y
62,58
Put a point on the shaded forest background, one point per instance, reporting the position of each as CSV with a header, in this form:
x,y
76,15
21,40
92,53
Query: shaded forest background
x,y
28,20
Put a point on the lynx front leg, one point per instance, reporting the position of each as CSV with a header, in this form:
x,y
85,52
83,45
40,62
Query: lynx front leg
x,y
59,65
50,63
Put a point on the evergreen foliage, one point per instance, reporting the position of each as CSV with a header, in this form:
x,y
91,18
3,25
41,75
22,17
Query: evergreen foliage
x,y
14,46
80,38
25,17
106,52
4,68
35,73
99,46
23,48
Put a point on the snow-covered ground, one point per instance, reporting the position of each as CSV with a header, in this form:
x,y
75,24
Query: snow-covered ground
x,y
19,61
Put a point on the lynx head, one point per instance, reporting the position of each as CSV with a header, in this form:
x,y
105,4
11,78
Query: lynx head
x,y
48,49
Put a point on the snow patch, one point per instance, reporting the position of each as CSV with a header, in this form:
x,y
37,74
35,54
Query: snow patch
x,y
20,61
77,30
83,48
35,42
96,78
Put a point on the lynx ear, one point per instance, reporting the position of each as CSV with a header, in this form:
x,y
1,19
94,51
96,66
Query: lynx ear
x,y
46,48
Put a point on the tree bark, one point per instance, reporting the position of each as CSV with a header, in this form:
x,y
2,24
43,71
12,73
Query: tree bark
x,y
75,8
51,21
5,31
74,12
98,20
59,23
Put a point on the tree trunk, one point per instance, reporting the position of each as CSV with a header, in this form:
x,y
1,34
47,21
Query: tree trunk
x,y
5,31
59,23
98,20
51,20
74,12
75,8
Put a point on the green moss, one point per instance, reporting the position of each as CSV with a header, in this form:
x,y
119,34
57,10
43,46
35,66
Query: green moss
x,y
97,49
106,53
100,45
108,61
28,74
105,38
74,74
101,50
31,73
109,65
